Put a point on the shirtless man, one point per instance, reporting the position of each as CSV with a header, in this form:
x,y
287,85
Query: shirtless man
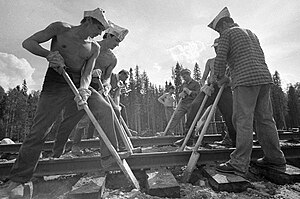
x,y
118,87
73,49
106,62
169,102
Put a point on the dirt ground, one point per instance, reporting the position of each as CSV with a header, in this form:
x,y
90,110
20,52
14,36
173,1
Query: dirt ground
x,y
198,189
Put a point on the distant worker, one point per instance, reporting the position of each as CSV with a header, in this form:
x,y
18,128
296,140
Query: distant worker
x,y
118,87
169,102
189,90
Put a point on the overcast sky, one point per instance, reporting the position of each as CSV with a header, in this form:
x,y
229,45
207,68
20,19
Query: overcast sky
x,y
161,32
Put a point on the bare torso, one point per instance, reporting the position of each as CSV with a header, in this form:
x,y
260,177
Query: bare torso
x,y
211,67
106,62
75,51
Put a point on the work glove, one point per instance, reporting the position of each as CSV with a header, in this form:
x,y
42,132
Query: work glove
x,y
182,94
81,99
119,108
56,61
187,91
208,90
97,73
225,80
202,82
106,89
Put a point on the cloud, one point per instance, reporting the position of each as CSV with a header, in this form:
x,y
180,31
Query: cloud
x,y
14,70
157,67
187,52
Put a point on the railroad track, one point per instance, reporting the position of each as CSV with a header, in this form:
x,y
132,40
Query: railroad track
x,y
141,141
140,161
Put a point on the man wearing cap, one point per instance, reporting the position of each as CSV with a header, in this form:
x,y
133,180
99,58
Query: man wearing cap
x,y
224,104
105,63
190,89
72,49
107,60
251,82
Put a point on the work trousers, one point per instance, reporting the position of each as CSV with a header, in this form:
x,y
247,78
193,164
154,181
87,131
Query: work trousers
x,y
103,113
50,105
169,110
225,106
254,103
182,109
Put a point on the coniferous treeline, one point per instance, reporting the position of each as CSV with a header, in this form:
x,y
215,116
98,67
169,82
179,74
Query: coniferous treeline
x,y
145,113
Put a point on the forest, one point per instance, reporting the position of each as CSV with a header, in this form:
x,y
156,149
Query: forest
x,y
145,113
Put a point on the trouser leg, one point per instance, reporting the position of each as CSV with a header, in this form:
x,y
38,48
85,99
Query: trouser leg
x,y
124,113
91,130
104,115
225,106
194,107
266,128
49,107
71,117
181,111
244,102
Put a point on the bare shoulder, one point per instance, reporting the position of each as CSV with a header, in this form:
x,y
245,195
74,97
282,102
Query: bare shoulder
x,y
59,27
95,46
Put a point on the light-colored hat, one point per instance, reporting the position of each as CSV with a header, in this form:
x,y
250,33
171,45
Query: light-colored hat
x,y
216,42
97,14
185,70
222,14
116,30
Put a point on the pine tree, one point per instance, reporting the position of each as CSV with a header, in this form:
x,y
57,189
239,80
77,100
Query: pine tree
x,y
15,114
24,87
2,111
177,79
197,73
279,103
166,86
137,99
297,90
292,108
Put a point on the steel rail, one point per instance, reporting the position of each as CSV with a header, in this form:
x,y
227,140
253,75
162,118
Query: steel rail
x,y
140,141
140,161
136,141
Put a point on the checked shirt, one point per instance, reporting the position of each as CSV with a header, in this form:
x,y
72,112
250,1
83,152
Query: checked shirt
x,y
240,49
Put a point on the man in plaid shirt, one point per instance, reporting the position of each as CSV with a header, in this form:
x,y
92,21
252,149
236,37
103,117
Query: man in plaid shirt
x,y
251,83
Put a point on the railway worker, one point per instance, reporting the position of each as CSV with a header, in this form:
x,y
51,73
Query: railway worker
x,y
72,49
251,79
190,89
169,102
118,87
224,105
104,66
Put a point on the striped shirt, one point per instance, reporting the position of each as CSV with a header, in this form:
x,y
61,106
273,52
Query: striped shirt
x,y
240,49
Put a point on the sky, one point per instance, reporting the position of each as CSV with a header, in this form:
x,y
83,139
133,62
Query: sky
x,y
161,33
